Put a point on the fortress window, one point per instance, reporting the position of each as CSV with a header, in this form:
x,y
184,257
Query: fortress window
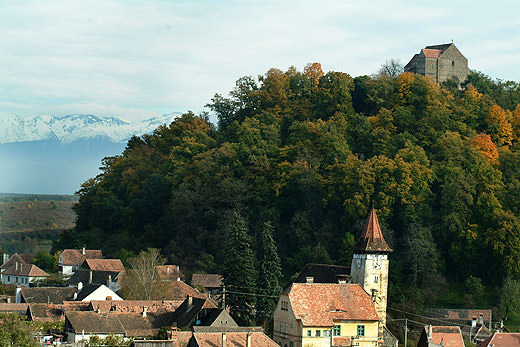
x,y
453,63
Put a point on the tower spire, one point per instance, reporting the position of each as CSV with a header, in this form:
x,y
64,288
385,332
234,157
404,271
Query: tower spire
x,y
371,239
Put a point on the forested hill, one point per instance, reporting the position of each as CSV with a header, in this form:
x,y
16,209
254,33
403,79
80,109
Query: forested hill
x,y
311,152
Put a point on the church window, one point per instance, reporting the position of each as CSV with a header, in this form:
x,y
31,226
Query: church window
x,y
336,331
360,330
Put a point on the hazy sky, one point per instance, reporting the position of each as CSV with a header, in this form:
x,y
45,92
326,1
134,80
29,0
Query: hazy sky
x,y
134,59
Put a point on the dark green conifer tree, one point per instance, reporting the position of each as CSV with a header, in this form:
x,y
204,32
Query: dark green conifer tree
x,y
269,277
239,271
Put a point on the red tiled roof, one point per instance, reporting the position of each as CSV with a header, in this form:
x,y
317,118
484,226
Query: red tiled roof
x,y
169,272
11,307
21,269
46,312
448,336
319,304
135,306
20,258
207,280
76,256
104,265
371,239
501,339
341,341
232,339
431,53
179,291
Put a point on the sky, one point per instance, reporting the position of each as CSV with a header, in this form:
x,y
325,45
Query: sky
x,y
137,59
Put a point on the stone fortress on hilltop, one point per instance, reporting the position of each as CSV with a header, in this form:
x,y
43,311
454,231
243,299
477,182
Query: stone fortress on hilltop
x,y
442,62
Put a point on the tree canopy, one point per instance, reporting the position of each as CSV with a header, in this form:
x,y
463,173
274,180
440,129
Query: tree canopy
x,y
310,152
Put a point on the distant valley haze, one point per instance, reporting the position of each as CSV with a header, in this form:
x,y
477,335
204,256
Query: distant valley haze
x,y
55,155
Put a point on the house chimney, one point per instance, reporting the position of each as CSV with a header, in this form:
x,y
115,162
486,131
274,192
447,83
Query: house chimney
x,y
190,301
6,258
80,286
18,294
309,279
473,322
90,276
109,298
429,331
75,295
83,250
8,299
109,280
224,339
248,339
145,308
167,270
480,319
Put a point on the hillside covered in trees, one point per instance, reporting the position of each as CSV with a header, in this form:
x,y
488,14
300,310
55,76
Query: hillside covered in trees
x,y
310,153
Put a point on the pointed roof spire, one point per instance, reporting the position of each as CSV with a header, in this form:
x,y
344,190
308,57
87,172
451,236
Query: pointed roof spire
x,y
371,239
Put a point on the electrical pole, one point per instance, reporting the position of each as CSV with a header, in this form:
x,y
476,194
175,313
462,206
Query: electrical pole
x,y
405,331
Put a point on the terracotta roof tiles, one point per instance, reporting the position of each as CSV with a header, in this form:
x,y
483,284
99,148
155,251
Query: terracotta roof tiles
x,y
501,340
207,280
232,339
448,336
21,269
20,258
431,53
76,257
104,265
319,304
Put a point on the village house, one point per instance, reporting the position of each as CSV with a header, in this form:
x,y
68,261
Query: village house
x,y
501,340
212,284
23,274
324,314
436,336
364,286
45,295
441,62
476,323
91,292
201,312
71,259
112,279
16,258
113,265
169,272
81,325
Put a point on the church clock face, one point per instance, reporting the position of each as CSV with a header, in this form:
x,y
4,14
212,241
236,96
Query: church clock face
x,y
377,262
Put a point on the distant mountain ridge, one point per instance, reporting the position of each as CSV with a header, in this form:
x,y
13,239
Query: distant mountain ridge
x,y
71,128
55,155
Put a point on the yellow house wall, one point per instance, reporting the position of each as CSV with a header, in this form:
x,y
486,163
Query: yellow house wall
x,y
348,329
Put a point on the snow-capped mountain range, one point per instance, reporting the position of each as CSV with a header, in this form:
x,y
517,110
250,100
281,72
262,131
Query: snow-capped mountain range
x,y
54,155
70,128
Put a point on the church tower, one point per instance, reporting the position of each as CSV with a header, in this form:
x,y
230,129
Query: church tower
x,y
370,265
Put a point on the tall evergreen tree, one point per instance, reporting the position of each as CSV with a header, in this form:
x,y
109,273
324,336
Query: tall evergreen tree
x,y
269,276
239,271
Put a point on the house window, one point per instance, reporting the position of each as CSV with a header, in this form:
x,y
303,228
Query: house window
x,y
291,343
281,327
285,306
318,333
16,279
336,331
360,330
309,333
286,327
9,278
326,333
